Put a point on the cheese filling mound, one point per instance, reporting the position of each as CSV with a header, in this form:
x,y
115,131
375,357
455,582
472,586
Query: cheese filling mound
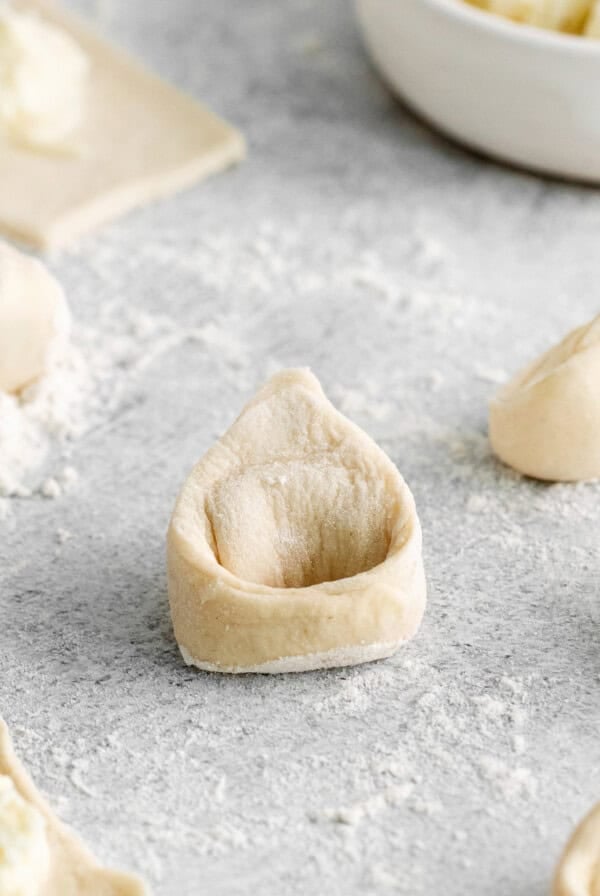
x,y
569,16
24,851
43,77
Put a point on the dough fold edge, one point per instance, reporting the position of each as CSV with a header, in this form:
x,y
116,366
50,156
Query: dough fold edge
x,y
338,656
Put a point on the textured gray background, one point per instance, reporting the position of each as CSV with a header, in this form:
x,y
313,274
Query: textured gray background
x,y
408,274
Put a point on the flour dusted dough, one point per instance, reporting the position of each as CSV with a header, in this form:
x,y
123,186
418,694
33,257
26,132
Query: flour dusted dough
x,y
546,421
578,873
139,139
294,543
73,870
34,319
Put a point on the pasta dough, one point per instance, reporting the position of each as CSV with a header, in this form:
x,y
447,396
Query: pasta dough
x,y
139,139
67,868
294,543
546,422
34,319
578,872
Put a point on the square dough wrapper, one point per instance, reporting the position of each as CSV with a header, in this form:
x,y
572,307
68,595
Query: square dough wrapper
x,y
141,139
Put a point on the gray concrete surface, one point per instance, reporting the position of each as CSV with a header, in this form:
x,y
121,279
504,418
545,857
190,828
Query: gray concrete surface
x,y
410,275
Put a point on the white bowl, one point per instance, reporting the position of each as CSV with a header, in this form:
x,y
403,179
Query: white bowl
x,y
523,95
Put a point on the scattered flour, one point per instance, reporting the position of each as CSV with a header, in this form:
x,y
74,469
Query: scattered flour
x,y
38,426
364,403
350,699
80,767
519,744
50,488
464,732
491,374
477,504
490,706
358,812
51,411
55,486
510,783
455,729
371,275
401,796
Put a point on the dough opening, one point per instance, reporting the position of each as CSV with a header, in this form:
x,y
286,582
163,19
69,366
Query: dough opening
x,y
299,523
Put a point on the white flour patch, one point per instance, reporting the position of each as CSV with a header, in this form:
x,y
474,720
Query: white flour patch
x,y
367,403
371,275
350,699
509,783
50,412
519,744
358,812
394,797
39,426
218,337
490,706
490,374
477,504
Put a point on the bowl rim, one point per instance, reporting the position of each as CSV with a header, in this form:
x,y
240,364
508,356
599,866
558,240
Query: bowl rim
x,y
529,34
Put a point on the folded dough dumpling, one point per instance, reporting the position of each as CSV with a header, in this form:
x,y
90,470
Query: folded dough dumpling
x,y
546,421
34,319
39,856
294,543
578,872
